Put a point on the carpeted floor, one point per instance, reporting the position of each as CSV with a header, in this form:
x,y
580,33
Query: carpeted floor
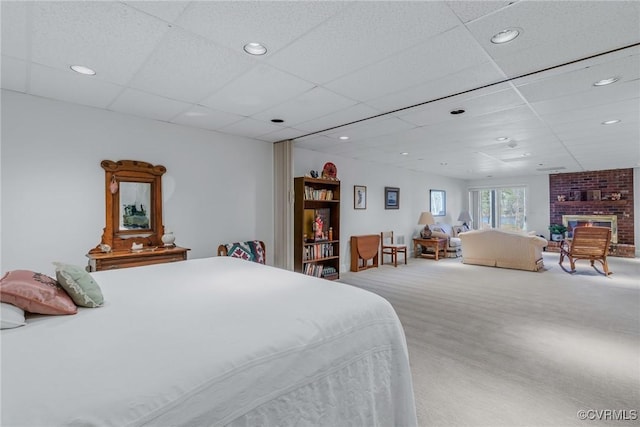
x,y
499,347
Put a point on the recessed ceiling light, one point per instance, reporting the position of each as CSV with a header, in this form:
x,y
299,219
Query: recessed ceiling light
x,y
277,121
605,82
505,35
255,49
458,111
194,114
611,122
83,70
344,137
404,153
503,139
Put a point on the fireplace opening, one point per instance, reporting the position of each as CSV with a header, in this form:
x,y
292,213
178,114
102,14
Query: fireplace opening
x,y
572,221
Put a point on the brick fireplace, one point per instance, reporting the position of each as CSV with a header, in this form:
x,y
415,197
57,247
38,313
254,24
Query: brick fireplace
x,y
596,194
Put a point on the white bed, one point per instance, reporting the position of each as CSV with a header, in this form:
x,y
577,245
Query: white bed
x,y
215,341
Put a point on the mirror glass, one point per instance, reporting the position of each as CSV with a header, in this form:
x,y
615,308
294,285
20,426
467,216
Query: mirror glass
x,y
135,206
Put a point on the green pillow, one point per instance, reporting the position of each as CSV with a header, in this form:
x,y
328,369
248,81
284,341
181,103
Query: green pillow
x,y
83,290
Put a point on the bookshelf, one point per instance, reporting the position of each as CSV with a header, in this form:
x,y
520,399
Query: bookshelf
x,y
316,227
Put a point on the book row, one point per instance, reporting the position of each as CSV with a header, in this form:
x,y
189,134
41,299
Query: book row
x,y
311,193
318,251
319,270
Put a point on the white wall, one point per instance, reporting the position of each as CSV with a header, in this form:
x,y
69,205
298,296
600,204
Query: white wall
x,y
537,198
217,188
414,197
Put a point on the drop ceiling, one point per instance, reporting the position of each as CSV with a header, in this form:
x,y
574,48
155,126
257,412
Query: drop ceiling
x,y
385,74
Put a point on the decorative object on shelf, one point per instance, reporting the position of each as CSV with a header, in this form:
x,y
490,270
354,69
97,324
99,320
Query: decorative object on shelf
x,y
438,202
593,194
391,198
136,246
329,171
465,218
314,174
330,233
317,227
426,219
168,239
359,197
561,197
575,195
616,196
557,232
104,247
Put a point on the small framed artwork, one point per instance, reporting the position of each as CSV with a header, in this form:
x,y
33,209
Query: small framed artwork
x,y
359,197
391,198
438,200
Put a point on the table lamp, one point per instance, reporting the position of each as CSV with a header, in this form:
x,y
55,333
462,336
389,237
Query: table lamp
x,y
426,219
465,218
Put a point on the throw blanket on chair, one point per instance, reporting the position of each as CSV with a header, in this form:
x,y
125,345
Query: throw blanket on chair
x,y
250,251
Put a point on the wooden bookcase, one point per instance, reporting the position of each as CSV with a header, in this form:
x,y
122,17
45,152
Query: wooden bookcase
x,y
317,256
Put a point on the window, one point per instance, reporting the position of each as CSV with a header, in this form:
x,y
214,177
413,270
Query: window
x,y
503,208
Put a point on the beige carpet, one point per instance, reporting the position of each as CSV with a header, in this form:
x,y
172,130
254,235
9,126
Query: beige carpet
x,y
499,347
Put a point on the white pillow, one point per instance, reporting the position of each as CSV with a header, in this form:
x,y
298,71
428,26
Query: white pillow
x,y
11,316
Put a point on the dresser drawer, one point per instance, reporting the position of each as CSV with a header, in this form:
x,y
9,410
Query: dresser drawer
x,y
110,261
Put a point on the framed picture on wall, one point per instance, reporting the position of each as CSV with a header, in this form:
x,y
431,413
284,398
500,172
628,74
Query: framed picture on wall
x,y
438,202
391,198
359,197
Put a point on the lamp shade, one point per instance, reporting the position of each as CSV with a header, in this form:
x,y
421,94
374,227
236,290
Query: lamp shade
x,y
426,219
464,217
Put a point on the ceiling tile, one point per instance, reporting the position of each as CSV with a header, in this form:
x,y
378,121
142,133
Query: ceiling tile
x,y
470,10
109,37
250,128
310,105
14,29
142,104
465,80
554,33
340,117
412,66
71,87
166,10
272,23
205,118
261,88
188,68
345,42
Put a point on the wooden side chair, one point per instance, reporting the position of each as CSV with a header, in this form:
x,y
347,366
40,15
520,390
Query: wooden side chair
x,y
390,248
591,243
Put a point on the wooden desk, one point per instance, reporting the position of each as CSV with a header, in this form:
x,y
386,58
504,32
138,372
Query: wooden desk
x,y
437,243
129,258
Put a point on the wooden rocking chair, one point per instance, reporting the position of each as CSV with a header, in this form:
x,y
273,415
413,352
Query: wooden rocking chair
x,y
590,243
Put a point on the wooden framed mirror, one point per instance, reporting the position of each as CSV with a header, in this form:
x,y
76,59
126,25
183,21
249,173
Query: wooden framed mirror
x,y
133,205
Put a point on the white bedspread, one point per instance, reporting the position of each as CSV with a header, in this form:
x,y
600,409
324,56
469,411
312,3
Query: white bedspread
x,y
215,341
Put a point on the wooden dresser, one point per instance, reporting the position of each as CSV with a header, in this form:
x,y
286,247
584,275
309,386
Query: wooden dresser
x,y
129,258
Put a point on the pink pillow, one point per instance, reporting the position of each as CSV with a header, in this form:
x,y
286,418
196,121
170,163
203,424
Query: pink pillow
x,y
35,293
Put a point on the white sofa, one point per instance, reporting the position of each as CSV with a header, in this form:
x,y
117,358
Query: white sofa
x,y
497,248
